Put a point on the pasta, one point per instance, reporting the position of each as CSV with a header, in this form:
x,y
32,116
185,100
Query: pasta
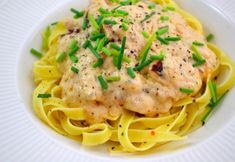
x,y
130,132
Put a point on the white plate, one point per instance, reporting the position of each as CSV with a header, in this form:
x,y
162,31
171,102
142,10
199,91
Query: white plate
x,y
24,138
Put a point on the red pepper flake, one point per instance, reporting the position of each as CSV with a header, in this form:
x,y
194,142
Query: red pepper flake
x,y
158,67
152,133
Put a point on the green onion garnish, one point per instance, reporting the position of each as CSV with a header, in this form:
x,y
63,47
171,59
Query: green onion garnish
x,y
131,72
45,36
77,13
113,78
94,37
213,91
124,26
73,58
73,44
86,44
174,39
100,44
110,22
159,57
115,46
106,51
210,37
145,34
186,90
115,61
61,57
102,82
164,18
143,65
44,95
94,52
152,5
103,11
148,17
168,8
126,21
99,20
145,56
36,53
124,13
116,54
162,40
120,57
197,57
73,51
147,45
196,43
93,22
85,23
74,69
212,107
162,30
98,63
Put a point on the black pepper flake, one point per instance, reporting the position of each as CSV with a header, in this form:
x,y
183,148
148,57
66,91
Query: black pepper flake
x,y
216,77
203,123
194,100
122,134
120,126
113,148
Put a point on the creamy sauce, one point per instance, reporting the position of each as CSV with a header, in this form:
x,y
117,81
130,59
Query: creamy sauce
x,y
154,90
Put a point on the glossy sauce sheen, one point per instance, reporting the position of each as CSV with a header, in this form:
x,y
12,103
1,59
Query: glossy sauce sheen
x,y
156,88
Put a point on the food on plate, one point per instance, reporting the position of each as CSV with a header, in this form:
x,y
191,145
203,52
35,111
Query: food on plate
x,y
137,72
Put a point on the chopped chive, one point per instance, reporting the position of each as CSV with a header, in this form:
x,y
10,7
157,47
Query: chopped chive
x,y
120,57
98,63
73,51
103,11
113,78
148,17
36,53
145,34
164,18
94,37
145,56
113,15
186,90
44,95
212,107
73,44
73,58
93,22
124,26
100,44
110,22
159,57
99,20
106,51
147,45
143,65
212,87
54,23
102,82
168,8
86,44
174,39
94,52
152,5
115,61
61,57
162,30
196,43
210,37
115,46
85,23
77,13
126,21
74,69
162,40
116,54
124,3
45,36
199,63
131,72
122,12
